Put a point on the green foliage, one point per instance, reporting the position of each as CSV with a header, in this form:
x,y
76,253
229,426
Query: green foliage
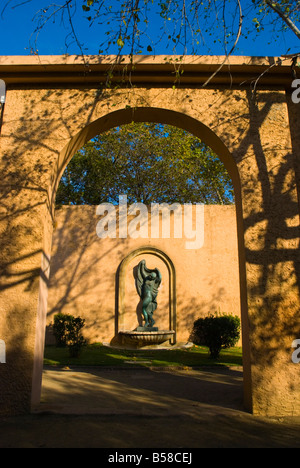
x,y
216,332
60,329
149,163
75,340
67,331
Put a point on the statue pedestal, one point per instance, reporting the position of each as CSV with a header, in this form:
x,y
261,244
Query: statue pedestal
x,y
147,329
146,337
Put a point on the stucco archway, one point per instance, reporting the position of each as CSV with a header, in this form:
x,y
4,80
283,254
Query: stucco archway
x,y
197,128
53,107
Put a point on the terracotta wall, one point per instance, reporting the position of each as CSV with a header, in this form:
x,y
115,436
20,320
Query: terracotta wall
x,y
84,272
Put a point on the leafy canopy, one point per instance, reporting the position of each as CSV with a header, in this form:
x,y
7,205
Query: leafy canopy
x,y
149,163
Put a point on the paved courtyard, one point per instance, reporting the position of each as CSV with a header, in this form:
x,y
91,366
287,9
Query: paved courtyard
x,y
145,408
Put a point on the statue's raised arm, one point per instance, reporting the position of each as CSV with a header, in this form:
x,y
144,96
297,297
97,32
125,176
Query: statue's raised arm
x,y
140,277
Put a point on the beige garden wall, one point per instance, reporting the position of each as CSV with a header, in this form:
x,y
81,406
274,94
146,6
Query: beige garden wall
x,y
83,278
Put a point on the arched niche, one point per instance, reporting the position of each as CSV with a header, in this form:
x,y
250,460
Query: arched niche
x,y
120,286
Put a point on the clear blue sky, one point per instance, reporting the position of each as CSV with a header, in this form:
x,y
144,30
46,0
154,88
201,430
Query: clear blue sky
x,y
17,26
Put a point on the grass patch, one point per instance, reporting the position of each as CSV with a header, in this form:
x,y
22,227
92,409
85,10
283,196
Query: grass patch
x,y
99,355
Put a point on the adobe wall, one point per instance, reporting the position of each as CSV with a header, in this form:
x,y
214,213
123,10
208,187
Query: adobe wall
x,y
55,104
83,272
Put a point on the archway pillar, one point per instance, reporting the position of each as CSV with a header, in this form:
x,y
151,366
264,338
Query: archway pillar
x,y
270,232
24,264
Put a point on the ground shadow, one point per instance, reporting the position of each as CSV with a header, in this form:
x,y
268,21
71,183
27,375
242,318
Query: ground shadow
x,y
161,410
152,391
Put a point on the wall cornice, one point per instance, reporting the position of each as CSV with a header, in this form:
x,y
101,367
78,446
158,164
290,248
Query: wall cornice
x,y
146,70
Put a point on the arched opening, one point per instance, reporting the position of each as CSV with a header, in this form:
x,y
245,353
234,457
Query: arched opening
x,y
195,127
145,114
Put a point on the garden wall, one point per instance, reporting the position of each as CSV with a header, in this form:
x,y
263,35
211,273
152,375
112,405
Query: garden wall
x,y
84,267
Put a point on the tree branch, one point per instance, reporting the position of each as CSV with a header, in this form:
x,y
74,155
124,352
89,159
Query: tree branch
x,y
275,7
233,47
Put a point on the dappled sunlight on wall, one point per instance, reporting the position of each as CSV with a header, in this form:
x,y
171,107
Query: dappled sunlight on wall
x,y
84,269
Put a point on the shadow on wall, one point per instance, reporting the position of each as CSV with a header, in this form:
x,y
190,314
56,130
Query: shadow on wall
x,y
197,307
272,241
271,229
84,280
82,277
271,232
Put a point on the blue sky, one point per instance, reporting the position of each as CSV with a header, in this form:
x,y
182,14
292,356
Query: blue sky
x,y
17,27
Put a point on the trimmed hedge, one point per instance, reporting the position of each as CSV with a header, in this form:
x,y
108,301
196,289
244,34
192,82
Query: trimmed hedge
x,y
216,332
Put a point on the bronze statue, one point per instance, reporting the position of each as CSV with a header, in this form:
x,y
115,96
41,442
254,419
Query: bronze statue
x,y
147,284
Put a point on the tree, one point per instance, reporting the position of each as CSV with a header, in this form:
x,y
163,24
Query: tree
x,y
185,26
147,162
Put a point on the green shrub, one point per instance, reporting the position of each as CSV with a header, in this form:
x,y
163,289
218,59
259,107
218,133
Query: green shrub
x,y
60,329
216,332
75,340
67,331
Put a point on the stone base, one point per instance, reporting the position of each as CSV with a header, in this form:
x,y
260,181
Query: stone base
x,y
146,338
147,329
